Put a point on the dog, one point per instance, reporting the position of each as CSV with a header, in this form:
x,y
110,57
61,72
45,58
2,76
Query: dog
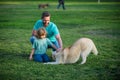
x,y
82,47
43,6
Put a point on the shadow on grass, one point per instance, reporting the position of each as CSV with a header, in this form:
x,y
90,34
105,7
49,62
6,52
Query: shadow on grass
x,y
13,56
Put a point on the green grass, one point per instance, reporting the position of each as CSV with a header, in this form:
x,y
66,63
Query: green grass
x,y
100,22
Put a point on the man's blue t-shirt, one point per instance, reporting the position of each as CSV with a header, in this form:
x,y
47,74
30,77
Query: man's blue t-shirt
x,y
51,29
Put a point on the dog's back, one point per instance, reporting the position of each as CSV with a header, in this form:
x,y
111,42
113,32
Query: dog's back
x,y
82,47
88,43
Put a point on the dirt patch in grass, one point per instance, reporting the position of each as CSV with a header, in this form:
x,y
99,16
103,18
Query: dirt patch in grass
x,y
114,34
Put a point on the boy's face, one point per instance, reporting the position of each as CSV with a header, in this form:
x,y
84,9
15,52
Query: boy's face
x,y
46,21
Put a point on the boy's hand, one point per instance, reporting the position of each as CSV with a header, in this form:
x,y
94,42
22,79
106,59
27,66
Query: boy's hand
x,y
30,58
58,49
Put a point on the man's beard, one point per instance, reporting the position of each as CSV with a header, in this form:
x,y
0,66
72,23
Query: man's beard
x,y
45,24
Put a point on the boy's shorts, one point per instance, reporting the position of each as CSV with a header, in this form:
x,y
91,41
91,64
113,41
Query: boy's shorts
x,y
41,58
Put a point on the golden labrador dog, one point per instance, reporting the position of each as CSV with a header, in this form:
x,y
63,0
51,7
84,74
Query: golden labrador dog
x,y
82,47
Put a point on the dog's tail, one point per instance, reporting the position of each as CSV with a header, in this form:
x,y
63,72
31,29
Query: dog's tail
x,y
94,49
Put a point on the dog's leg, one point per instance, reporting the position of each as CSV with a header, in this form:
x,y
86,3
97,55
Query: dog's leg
x,y
83,58
84,55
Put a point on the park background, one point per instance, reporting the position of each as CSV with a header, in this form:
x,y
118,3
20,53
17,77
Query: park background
x,y
82,18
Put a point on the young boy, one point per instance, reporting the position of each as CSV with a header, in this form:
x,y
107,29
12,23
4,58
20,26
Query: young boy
x,y
40,46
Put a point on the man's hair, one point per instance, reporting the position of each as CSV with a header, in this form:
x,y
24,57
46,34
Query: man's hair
x,y
45,14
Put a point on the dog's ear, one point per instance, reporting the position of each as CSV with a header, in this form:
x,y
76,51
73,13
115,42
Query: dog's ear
x,y
59,52
65,51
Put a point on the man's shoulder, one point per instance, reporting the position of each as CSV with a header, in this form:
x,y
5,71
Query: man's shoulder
x,y
37,24
39,21
53,24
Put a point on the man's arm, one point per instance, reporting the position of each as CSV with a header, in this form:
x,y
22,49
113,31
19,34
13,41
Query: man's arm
x,y
59,40
34,32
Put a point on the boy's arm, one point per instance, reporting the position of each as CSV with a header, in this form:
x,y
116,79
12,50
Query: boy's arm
x,y
31,55
54,46
57,49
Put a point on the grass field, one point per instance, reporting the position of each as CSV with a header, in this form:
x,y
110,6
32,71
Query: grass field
x,y
100,22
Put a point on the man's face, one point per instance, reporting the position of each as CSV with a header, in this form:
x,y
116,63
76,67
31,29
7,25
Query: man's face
x,y
46,21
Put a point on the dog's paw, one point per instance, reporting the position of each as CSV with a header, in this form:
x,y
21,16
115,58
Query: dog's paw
x,y
51,63
45,63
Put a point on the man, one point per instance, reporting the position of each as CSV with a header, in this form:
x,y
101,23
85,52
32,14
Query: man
x,y
51,29
61,2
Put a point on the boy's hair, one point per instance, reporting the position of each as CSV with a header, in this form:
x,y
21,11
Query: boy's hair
x,y
41,33
45,14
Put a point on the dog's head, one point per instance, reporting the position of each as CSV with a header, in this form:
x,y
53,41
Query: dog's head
x,y
60,56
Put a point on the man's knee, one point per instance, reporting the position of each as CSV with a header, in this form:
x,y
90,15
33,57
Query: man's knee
x,y
32,39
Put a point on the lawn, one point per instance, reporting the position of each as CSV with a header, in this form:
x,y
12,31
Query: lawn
x,y
100,22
